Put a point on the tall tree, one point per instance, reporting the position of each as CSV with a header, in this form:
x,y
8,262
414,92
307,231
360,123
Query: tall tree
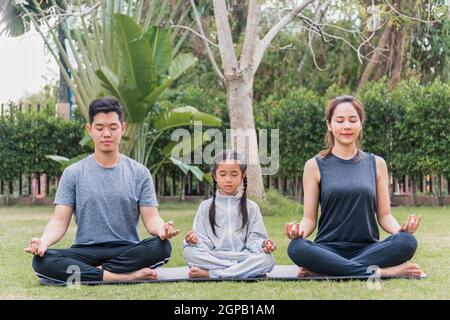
x,y
238,76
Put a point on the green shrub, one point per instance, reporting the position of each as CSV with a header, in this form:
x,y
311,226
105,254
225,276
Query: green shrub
x,y
278,204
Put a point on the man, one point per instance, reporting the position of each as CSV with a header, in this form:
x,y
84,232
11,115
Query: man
x,y
106,192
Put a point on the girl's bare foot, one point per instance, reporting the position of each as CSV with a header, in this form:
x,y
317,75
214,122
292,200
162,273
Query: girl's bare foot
x,y
303,272
196,272
405,269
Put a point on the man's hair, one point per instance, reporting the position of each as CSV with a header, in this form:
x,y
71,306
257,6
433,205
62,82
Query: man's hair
x,y
105,104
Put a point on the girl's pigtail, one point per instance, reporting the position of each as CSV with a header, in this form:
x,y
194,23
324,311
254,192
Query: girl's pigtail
x,y
212,209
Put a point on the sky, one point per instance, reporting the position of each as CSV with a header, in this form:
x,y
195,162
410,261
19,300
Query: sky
x,y
25,66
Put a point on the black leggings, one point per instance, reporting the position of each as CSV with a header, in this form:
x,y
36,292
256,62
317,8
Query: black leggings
x,y
60,264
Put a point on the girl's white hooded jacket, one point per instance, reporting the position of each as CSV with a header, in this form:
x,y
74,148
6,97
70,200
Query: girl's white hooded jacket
x,y
229,234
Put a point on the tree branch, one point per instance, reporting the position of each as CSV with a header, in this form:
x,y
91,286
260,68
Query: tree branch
x,y
226,46
409,17
321,9
265,42
251,34
194,32
206,42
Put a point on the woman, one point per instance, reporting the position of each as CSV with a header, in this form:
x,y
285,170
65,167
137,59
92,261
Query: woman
x,y
352,189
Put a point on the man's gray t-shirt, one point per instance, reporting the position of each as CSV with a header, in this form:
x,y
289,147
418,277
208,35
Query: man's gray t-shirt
x,y
106,201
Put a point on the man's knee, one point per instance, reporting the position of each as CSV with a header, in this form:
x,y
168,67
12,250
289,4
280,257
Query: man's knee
x,y
44,265
164,248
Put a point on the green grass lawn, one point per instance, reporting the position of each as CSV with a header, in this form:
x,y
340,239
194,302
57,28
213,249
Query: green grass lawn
x,y
19,224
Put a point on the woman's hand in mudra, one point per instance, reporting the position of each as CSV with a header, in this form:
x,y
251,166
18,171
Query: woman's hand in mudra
x,y
292,230
411,224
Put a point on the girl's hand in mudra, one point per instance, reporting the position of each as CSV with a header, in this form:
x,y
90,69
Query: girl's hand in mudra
x,y
292,230
269,246
191,237
411,224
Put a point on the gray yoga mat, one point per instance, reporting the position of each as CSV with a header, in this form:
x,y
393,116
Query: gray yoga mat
x,y
280,272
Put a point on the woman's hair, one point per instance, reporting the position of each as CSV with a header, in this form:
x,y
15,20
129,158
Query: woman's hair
x,y
224,156
329,137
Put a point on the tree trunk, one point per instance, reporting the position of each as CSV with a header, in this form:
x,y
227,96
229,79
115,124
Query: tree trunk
x,y
299,189
207,190
398,55
243,133
441,188
414,189
164,184
182,187
173,191
63,103
375,58
198,185
448,186
7,194
279,185
189,184
34,187
160,186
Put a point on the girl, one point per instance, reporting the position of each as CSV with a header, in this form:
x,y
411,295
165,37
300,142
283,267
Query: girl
x,y
351,187
229,238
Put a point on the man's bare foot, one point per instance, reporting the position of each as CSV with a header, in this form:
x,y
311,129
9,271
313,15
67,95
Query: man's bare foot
x,y
144,274
404,269
303,272
196,272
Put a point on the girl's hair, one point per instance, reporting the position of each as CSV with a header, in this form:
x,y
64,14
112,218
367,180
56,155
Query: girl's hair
x,y
223,156
329,137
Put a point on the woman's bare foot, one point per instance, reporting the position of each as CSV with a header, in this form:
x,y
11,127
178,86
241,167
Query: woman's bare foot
x,y
196,272
303,272
404,269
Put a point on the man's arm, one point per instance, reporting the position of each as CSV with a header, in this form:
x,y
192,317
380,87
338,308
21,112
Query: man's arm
x,y
54,231
155,225
58,225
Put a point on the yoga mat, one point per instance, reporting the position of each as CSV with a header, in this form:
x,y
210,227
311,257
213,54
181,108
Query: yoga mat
x,y
280,272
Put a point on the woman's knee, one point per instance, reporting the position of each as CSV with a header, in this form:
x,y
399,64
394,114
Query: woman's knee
x,y
295,249
407,242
